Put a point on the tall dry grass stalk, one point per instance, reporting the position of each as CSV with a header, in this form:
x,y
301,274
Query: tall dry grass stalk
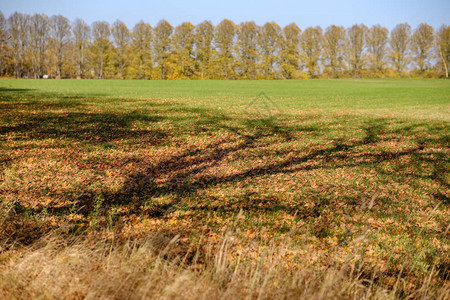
x,y
161,267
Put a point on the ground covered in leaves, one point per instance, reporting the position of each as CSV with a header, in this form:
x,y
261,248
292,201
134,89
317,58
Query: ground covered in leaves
x,y
309,177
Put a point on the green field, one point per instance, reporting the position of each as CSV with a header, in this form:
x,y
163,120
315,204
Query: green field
x,y
322,189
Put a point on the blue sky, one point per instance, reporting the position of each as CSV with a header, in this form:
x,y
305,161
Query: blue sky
x,y
305,13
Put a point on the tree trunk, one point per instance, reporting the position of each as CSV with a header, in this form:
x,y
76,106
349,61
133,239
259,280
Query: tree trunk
x,y
444,62
101,66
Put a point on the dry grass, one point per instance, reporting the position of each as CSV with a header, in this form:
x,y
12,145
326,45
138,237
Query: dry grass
x,y
56,267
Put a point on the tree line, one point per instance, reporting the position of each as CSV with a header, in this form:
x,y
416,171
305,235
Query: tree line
x,y
33,46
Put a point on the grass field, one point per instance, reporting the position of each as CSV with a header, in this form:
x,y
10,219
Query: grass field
x,y
165,189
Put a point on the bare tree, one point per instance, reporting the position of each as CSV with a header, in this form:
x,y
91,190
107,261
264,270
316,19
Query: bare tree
x,y
60,33
355,49
203,39
141,51
269,41
246,49
311,43
422,46
443,47
39,29
3,40
101,44
399,44
377,39
334,49
224,39
163,45
18,28
121,36
290,51
183,44
2,28
81,33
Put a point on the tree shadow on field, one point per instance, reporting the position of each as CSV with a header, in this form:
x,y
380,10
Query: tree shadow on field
x,y
184,176
4,90
187,172
10,93
43,116
29,119
91,128
182,179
